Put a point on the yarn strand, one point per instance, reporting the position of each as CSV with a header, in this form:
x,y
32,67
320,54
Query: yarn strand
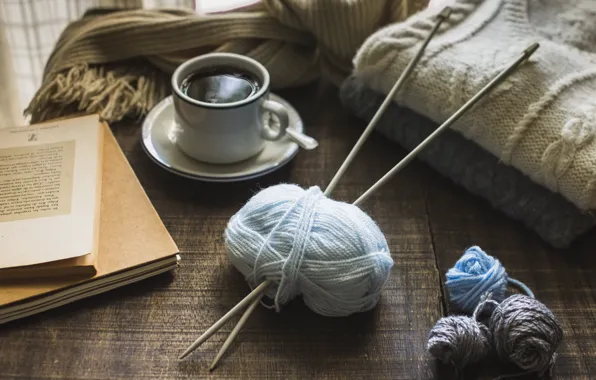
x,y
522,286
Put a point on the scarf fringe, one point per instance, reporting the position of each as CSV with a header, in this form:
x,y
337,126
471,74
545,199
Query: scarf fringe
x,y
123,91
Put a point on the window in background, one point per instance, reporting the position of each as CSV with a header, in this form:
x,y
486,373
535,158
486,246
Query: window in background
x,y
30,28
28,31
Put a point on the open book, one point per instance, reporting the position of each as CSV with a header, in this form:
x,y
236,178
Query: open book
x,y
133,245
50,185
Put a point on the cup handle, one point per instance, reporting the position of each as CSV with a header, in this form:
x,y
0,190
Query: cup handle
x,y
284,120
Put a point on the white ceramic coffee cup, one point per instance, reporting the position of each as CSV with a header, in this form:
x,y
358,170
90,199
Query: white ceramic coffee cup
x,y
224,133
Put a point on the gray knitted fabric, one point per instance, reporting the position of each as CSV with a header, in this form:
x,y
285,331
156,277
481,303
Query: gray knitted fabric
x,y
550,215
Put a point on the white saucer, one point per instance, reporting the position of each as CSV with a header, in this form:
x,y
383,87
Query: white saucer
x,y
159,141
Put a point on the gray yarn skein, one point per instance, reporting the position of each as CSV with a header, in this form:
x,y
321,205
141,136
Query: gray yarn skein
x,y
526,333
460,340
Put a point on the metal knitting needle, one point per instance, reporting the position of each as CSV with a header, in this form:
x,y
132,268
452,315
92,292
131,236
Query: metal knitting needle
x,y
388,99
442,16
459,113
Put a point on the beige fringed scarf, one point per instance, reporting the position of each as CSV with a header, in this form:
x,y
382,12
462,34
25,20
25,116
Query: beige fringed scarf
x,y
118,64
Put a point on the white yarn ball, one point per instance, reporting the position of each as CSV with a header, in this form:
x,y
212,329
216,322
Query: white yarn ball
x,y
330,252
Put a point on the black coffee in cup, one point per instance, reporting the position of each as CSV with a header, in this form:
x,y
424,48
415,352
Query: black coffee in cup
x,y
220,85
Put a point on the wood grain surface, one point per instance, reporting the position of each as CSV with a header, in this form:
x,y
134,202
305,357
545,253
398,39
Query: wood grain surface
x,y
137,332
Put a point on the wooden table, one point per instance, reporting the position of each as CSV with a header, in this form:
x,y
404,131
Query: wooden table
x,y
139,331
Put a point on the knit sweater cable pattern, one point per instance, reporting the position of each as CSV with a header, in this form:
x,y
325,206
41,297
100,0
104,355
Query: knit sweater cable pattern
x,y
542,120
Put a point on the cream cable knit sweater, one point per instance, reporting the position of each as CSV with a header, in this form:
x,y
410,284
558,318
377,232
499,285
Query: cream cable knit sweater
x,y
542,120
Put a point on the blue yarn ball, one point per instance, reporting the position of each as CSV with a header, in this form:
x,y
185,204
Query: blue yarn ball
x,y
330,252
474,275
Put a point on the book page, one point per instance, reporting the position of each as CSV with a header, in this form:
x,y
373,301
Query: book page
x,y
36,181
49,175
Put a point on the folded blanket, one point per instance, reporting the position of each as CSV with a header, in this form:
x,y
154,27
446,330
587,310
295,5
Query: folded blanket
x,y
542,120
552,217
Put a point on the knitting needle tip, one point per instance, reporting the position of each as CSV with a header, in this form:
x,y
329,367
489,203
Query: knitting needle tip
x,y
445,13
236,330
185,354
531,49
